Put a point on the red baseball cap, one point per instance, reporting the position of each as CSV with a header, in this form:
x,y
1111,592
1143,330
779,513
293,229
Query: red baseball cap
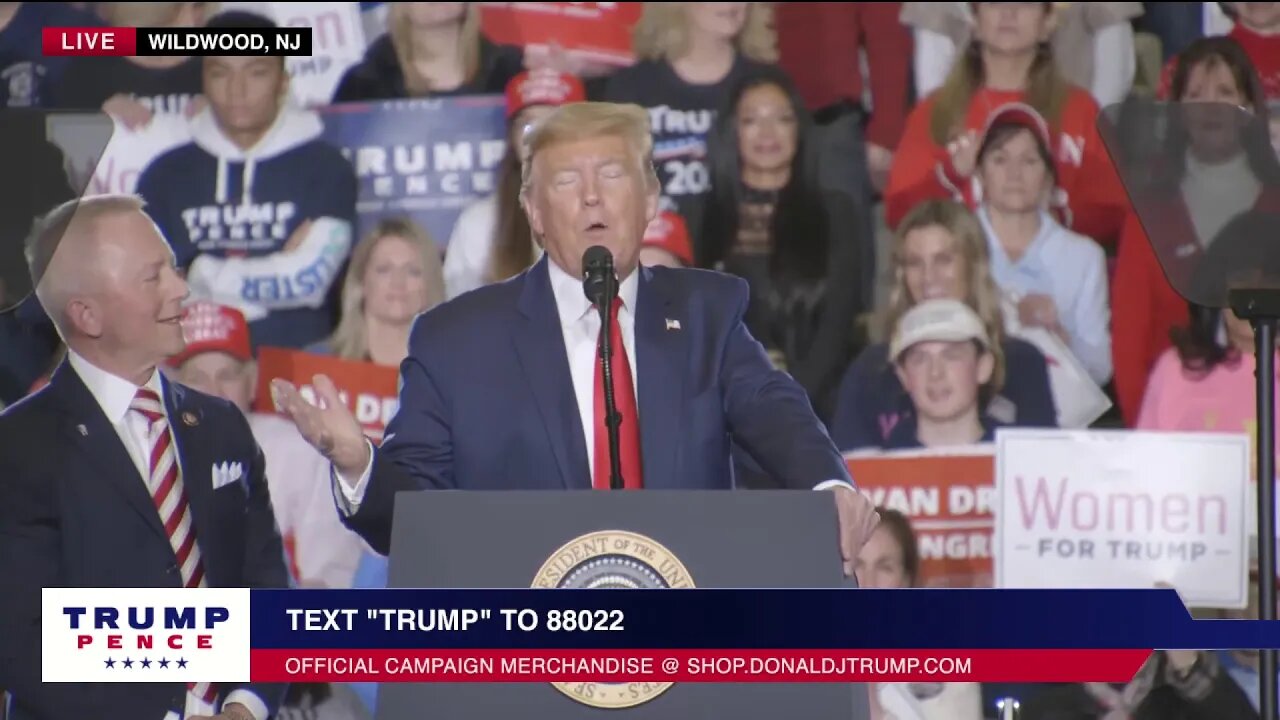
x,y
209,327
542,87
669,232
1022,114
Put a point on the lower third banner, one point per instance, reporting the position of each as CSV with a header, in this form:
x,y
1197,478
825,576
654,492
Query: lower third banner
x,y
702,636
230,635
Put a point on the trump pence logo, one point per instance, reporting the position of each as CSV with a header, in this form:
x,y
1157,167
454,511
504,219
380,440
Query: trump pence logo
x,y
145,635
613,560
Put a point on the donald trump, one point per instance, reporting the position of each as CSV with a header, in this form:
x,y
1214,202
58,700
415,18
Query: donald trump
x,y
500,389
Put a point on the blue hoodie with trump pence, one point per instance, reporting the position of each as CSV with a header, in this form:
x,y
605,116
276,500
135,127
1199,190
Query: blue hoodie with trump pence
x,y
266,230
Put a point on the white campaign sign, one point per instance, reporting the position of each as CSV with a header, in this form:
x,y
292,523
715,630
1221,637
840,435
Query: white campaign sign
x,y
1122,509
131,151
104,157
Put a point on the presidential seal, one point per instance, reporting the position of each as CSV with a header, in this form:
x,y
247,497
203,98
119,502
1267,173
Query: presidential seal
x,y
613,560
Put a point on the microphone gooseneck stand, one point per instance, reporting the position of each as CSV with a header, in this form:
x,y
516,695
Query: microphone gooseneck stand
x,y
1261,307
612,418
600,284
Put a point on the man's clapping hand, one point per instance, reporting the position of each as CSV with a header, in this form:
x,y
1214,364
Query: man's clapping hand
x,y
963,152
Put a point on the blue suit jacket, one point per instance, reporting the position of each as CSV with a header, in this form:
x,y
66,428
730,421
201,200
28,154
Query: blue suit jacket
x,y
75,513
487,401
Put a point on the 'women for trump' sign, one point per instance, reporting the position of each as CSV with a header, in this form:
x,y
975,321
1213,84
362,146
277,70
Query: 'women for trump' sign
x,y
1117,509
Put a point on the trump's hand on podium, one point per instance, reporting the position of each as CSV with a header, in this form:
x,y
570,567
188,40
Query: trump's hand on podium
x,y
329,427
858,519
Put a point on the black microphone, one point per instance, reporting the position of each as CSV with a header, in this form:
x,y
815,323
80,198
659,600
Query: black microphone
x,y
600,283
598,279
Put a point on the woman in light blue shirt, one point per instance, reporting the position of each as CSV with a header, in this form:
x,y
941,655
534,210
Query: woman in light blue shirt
x,y
1058,278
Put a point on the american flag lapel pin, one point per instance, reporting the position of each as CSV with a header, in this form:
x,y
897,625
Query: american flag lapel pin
x,y
673,324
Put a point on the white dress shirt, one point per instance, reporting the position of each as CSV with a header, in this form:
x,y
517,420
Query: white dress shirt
x,y
114,395
580,325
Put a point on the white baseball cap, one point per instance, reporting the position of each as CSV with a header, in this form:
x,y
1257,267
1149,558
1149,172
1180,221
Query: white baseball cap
x,y
937,321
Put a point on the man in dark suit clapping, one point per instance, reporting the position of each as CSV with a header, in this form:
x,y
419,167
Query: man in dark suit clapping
x,y
105,474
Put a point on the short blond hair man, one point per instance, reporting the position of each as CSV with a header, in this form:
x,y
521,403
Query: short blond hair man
x,y
110,472
500,389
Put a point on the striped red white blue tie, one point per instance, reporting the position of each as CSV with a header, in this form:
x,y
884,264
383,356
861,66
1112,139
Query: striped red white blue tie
x,y
170,499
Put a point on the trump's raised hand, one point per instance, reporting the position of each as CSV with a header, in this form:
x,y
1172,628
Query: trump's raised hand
x,y
329,426
858,519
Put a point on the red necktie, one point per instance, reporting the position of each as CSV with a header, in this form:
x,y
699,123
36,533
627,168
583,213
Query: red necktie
x,y
624,397
170,498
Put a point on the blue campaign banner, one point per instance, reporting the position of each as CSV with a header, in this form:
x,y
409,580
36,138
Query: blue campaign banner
x,y
742,619
425,159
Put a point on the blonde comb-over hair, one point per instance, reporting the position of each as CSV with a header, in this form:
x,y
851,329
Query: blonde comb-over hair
x,y
585,120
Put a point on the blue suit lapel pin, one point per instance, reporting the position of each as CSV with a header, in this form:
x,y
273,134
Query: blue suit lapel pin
x,y
673,324
190,419
84,431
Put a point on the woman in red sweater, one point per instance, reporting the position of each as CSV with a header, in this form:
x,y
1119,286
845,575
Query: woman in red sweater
x,y
1257,29
1008,60
1194,201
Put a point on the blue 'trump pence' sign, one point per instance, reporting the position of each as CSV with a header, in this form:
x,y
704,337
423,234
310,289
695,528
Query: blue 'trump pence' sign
x,y
426,159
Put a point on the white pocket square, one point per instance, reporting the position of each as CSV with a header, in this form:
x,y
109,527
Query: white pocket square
x,y
226,473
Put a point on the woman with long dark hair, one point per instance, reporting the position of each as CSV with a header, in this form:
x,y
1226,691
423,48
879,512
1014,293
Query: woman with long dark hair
x,y
491,240
1206,381
805,253
1212,176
